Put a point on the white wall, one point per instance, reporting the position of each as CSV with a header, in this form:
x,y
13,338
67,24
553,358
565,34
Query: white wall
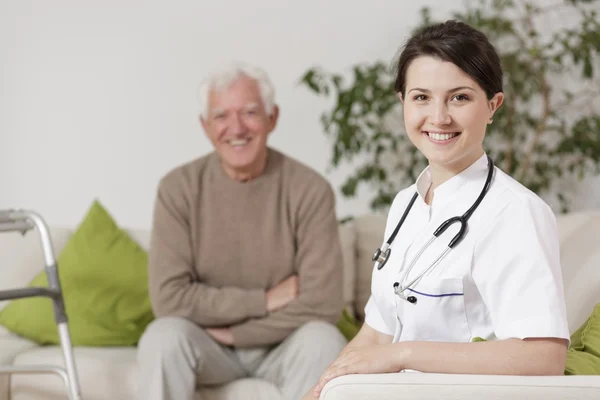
x,y
97,98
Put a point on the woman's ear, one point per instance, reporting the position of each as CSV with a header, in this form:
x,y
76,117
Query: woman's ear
x,y
495,103
400,97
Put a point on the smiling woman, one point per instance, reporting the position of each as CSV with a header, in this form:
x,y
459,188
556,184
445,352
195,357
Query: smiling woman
x,y
432,297
449,97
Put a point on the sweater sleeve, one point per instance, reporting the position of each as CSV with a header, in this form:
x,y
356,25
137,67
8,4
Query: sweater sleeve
x,y
319,266
174,287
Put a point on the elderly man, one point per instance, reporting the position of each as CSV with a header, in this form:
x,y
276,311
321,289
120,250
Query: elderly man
x,y
245,264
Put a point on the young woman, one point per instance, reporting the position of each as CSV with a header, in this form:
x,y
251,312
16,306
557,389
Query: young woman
x,y
494,271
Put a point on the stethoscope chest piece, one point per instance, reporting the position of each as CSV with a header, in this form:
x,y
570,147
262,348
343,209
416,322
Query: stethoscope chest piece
x,y
381,256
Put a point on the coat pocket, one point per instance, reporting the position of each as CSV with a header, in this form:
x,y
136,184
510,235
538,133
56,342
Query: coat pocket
x,y
439,312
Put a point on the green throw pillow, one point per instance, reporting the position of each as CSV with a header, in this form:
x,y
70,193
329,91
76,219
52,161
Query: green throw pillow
x,y
103,274
576,343
583,357
348,325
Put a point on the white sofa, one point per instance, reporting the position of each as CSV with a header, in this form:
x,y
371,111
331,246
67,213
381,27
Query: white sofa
x,y
109,373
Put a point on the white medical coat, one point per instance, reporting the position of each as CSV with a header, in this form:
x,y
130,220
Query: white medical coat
x,y
502,281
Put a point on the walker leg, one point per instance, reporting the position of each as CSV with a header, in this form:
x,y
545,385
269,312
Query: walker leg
x,y
59,311
18,220
67,348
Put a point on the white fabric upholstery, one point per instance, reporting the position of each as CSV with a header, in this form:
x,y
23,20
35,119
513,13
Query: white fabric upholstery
x,y
580,259
369,236
417,386
10,347
109,373
348,243
22,257
104,373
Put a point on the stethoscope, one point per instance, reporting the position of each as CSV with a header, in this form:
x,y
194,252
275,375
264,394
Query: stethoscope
x,y
382,254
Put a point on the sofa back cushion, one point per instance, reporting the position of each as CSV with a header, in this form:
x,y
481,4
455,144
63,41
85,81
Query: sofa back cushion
x,y
22,257
369,236
347,232
580,260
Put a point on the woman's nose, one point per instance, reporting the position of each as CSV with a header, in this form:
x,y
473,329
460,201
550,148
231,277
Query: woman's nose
x,y
440,115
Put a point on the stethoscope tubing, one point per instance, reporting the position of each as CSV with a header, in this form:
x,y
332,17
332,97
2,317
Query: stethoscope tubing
x,y
382,254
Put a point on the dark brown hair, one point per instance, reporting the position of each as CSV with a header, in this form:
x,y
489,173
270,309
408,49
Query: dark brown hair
x,y
458,43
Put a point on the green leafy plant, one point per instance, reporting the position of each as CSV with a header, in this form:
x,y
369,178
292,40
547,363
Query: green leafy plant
x,y
547,131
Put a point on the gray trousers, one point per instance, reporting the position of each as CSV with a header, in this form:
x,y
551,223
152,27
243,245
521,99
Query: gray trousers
x,y
176,356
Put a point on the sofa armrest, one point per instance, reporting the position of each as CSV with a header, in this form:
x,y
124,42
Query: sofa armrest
x,y
420,386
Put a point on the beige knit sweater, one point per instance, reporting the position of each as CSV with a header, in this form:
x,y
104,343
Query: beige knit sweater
x,y
218,245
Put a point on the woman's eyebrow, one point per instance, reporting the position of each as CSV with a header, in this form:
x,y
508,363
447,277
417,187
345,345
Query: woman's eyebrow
x,y
450,90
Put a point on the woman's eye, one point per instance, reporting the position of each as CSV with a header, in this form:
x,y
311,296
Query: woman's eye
x,y
420,97
461,97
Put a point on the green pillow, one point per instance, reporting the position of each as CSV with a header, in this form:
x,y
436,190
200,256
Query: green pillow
x,y
103,275
583,357
348,325
582,363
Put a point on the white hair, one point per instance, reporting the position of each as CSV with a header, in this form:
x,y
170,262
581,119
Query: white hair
x,y
224,77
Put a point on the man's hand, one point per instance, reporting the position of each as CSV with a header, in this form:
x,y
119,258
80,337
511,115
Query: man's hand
x,y
221,335
286,291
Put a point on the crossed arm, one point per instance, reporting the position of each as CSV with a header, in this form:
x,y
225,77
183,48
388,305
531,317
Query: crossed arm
x,y
372,352
175,290
248,317
277,298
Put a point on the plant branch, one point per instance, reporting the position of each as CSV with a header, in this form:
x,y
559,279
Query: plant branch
x,y
541,125
583,95
545,93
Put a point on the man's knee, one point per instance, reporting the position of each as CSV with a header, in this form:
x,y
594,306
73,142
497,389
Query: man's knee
x,y
168,334
317,335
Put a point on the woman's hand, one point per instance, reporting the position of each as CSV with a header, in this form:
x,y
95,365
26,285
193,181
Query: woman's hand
x,y
372,359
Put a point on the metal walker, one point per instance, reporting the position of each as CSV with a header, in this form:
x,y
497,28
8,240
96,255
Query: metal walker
x,y
23,221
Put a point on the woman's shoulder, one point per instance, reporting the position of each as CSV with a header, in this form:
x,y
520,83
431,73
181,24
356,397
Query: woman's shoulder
x,y
515,190
512,199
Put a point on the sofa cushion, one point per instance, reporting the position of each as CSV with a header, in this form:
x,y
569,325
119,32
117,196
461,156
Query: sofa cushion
x,y
347,232
22,257
582,363
583,357
590,336
104,280
348,325
419,386
10,346
110,373
370,230
580,258
104,373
